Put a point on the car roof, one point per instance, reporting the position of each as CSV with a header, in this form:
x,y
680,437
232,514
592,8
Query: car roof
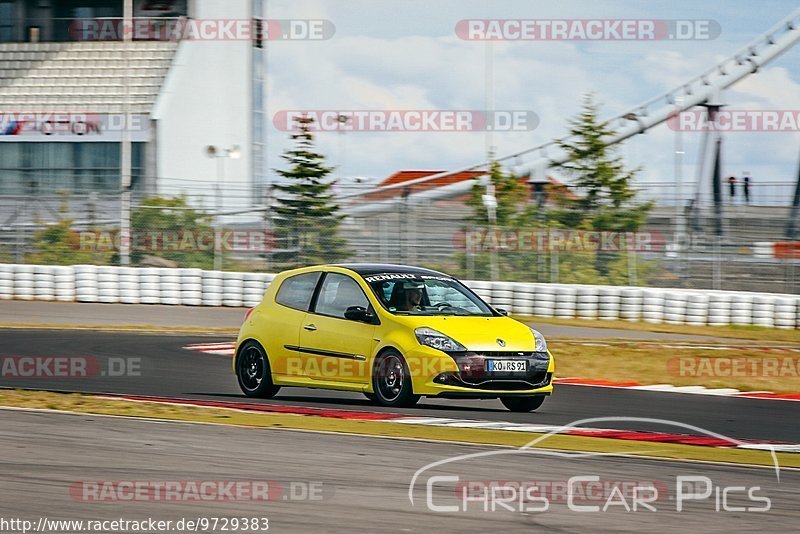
x,y
366,269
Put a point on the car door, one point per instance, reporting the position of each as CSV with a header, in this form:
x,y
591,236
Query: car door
x,y
293,301
337,349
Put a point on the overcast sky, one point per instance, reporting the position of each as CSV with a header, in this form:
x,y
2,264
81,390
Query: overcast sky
x,y
395,55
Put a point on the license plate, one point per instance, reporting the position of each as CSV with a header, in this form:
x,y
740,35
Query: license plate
x,y
507,366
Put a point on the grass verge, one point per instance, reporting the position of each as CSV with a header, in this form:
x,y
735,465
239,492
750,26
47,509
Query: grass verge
x,y
88,404
742,368
756,333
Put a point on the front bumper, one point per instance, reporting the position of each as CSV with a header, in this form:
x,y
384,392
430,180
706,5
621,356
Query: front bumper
x,y
467,376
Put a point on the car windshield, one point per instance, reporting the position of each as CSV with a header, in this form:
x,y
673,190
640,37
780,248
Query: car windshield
x,y
423,294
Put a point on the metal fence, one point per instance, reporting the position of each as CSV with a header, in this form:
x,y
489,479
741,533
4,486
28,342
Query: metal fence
x,y
674,249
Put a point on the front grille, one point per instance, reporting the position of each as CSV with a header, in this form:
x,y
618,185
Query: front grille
x,y
472,370
500,354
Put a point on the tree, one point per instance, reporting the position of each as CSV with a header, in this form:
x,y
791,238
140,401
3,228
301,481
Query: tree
x,y
601,198
59,244
508,191
169,229
599,175
510,197
307,216
605,194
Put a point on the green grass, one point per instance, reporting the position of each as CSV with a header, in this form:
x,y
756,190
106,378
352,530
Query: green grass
x,y
755,333
649,364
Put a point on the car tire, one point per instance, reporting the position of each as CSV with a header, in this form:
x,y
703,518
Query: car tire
x,y
391,381
253,371
372,397
523,404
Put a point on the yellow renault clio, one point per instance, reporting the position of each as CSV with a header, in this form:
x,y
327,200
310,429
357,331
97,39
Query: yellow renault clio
x,y
392,332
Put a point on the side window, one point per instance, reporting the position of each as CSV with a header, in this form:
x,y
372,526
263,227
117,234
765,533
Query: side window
x,y
338,293
387,289
296,291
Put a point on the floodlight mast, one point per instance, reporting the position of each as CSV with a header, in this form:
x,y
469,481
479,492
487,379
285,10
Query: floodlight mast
x,y
125,145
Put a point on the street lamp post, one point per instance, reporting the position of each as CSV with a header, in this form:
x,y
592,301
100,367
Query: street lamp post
x,y
490,203
125,145
680,238
220,154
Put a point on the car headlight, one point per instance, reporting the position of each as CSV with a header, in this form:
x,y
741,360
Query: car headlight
x,y
541,344
436,340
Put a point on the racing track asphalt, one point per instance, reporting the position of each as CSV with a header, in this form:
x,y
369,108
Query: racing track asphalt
x,y
168,370
176,317
360,483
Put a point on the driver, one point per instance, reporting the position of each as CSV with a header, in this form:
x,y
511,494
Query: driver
x,y
411,296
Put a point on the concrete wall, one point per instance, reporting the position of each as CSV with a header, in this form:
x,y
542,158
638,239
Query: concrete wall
x,y
206,100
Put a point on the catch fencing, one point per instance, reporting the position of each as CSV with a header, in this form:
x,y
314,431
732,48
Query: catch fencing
x,y
680,249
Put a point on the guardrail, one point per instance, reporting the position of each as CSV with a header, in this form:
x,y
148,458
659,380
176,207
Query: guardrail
x,y
196,287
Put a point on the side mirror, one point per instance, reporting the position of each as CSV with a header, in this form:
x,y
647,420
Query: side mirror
x,y
359,313
502,311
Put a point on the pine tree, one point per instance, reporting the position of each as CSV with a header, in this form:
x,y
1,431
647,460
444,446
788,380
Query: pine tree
x,y
605,194
307,216
603,185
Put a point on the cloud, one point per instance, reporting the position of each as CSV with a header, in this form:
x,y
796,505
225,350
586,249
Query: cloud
x,y
375,62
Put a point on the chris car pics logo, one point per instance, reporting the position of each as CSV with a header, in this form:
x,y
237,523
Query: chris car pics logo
x,y
449,485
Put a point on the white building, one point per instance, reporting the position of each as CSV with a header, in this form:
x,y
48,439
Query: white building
x,y
191,83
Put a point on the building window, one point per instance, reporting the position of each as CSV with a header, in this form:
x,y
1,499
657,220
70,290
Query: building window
x,y
7,22
32,168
